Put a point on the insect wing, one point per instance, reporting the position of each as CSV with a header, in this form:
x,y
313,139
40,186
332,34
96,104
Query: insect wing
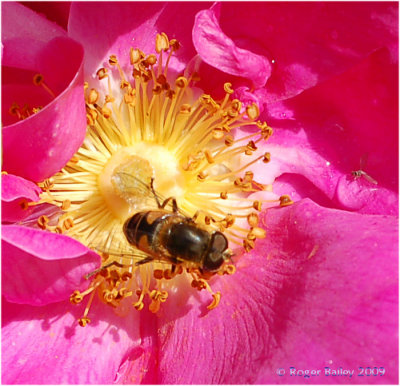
x,y
363,161
370,179
135,186
135,191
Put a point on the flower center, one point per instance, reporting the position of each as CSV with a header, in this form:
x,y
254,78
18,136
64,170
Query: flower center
x,y
124,195
157,155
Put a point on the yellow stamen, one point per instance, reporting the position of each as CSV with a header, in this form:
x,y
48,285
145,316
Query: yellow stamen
x,y
151,128
38,80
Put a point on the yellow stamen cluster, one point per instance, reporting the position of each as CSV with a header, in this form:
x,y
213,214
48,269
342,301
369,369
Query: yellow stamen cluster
x,y
149,125
23,112
26,110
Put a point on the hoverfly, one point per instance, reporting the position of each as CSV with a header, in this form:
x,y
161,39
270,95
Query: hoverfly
x,y
172,237
361,173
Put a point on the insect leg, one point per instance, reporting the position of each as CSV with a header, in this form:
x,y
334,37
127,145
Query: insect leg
x,y
154,192
96,271
165,202
145,260
174,204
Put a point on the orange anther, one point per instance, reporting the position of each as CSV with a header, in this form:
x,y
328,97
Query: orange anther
x,y
135,55
258,232
229,140
38,79
83,321
223,195
285,200
102,73
66,204
138,305
106,112
181,82
252,111
248,245
228,88
218,133
162,42
113,60
93,96
126,276
216,300
267,157
257,205
174,44
151,60
252,219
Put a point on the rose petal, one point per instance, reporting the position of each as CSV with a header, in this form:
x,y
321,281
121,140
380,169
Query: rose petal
x,y
219,51
19,21
310,42
338,273
14,191
41,267
45,345
125,25
24,35
43,150
140,366
316,281
323,134
57,11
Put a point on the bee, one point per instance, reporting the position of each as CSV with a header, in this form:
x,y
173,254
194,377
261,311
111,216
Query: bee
x,y
360,173
172,237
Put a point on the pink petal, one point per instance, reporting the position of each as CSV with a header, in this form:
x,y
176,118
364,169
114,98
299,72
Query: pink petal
x,y
337,301
322,134
20,22
309,41
43,150
41,267
14,191
140,364
317,281
24,35
221,52
57,11
45,345
130,25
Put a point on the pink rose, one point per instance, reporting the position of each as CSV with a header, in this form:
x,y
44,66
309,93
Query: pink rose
x,y
320,292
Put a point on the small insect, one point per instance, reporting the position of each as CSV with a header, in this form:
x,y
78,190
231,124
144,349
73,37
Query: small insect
x,y
172,237
360,173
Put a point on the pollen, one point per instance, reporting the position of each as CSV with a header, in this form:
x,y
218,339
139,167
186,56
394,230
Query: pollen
x,y
145,125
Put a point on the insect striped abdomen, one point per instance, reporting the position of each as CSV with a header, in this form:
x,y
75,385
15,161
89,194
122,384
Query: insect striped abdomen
x,y
142,229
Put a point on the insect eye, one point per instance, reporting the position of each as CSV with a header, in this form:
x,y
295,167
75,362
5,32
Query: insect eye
x,y
215,258
219,242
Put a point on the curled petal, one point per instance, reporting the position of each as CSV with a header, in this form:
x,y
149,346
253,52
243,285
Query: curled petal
x,y
36,147
41,267
19,21
14,191
310,42
219,51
